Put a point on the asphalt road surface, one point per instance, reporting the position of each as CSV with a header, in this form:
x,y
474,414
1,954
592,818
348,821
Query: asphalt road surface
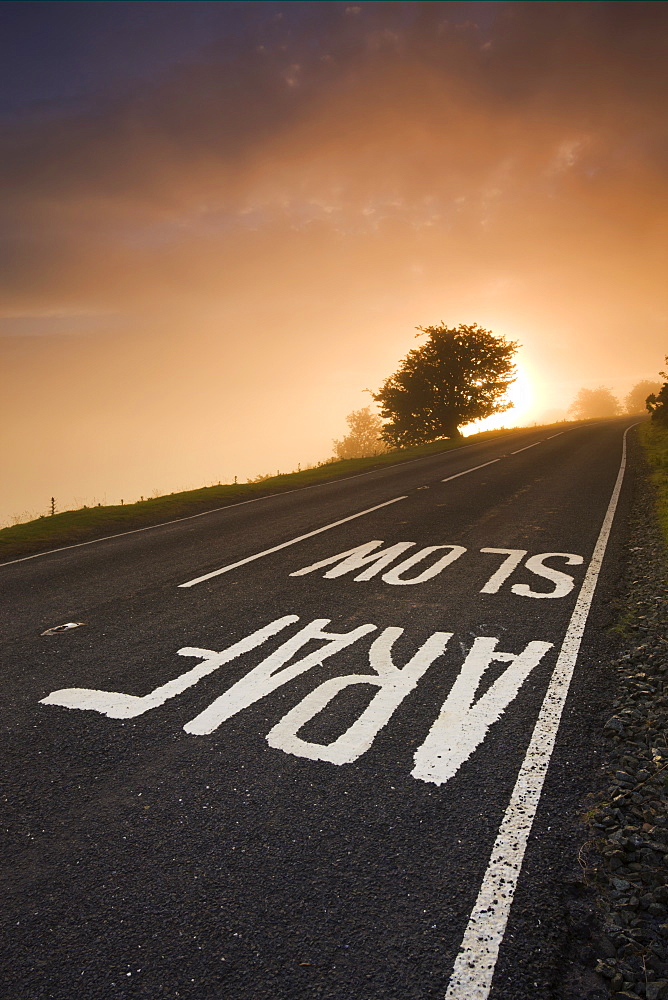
x,y
299,746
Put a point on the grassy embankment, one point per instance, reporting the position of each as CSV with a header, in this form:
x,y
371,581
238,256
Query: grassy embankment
x,y
655,442
88,523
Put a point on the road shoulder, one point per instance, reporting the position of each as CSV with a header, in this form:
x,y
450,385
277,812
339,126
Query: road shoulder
x,y
617,907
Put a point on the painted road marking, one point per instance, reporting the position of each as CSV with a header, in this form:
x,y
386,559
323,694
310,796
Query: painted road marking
x,y
526,447
474,469
513,558
353,559
117,705
310,534
475,964
554,436
239,503
285,545
460,728
462,724
368,558
272,672
364,555
395,574
563,582
242,503
394,684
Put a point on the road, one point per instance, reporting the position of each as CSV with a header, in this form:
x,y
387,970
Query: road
x,y
299,746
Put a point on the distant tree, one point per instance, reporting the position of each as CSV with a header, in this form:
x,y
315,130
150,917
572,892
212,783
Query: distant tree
x,y
657,403
363,438
636,400
595,403
459,375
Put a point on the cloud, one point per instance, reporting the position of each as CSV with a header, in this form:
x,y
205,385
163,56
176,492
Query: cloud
x,y
239,208
196,132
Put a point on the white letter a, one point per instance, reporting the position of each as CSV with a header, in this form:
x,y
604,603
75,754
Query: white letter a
x,y
394,684
461,725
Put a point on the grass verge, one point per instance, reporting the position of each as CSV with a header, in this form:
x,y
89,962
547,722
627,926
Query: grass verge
x,y
654,440
88,523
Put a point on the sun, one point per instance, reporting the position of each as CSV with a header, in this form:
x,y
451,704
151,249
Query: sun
x,y
521,395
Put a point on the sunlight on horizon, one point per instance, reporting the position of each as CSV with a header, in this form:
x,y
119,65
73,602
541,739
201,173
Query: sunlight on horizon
x,y
207,271
523,395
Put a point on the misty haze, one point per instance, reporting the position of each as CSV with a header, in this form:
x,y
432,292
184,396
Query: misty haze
x,y
223,224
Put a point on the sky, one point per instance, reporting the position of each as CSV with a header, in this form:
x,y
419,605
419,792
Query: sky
x,y
221,223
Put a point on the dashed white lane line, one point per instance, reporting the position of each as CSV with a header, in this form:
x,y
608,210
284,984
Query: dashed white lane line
x,y
466,471
334,524
267,496
526,447
476,961
284,545
229,506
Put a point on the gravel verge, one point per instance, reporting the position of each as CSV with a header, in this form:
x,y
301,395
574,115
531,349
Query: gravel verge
x,y
618,914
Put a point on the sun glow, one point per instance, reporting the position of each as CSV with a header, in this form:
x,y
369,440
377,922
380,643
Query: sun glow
x,y
521,395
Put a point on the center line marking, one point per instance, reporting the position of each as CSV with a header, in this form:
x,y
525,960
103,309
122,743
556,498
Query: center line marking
x,y
526,447
554,436
284,545
474,966
458,474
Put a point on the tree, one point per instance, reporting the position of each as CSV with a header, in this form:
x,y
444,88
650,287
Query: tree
x,y
591,403
364,437
457,376
636,400
657,403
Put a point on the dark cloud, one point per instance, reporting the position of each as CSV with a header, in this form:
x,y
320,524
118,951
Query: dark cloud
x,y
222,81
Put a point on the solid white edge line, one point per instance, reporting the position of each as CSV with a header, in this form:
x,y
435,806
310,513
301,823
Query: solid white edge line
x,y
149,527
284,545
466,471
526,448
476,961
241,503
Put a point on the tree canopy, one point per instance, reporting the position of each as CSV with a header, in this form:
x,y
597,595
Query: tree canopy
x,y
590,403
364,436
657,403
636,399
459,375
